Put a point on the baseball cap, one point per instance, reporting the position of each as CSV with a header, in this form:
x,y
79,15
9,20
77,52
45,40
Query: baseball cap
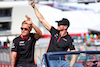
x,y
64,21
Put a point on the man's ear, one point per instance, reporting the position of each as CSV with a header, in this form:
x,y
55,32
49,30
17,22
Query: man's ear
x,y
65,27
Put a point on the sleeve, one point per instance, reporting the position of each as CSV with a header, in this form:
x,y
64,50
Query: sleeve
x,y
32,35
71,46
14,46
53,31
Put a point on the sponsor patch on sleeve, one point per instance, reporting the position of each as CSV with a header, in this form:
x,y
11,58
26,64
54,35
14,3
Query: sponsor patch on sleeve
x,y
13,45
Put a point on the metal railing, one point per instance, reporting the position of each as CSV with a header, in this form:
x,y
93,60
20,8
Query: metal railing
x,y
4,57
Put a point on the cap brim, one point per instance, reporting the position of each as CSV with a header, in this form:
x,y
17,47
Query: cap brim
x,y
57,21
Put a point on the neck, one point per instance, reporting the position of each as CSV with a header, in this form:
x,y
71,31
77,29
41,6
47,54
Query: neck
x,y
63,33
25,37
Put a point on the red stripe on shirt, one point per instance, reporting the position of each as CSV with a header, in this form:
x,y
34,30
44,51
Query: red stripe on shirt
x,y
58,39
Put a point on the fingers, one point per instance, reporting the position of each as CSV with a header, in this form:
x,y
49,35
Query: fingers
x,y
29,21
25,21
27,17
32,3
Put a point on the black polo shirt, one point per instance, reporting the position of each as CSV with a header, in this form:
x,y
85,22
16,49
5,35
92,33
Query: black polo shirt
x,y
58,43
24,49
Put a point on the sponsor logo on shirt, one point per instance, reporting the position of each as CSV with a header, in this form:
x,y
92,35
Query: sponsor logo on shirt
x,y
21,43
29,39
64,39
56,35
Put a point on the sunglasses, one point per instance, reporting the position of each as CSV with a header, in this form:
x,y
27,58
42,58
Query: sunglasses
x,y
94,61
24,28
61,24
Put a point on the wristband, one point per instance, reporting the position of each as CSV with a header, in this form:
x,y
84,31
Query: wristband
x,y
33,6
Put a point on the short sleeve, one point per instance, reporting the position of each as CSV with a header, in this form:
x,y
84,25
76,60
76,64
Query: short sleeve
x,y
32,35
14,46
71,46
53,31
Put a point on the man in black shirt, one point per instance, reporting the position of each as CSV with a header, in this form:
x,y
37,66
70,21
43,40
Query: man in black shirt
x,y
60,39
22,53
58,42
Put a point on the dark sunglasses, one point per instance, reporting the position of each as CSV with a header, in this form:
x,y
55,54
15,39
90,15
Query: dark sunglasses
x,y
94,61
61,24
24,28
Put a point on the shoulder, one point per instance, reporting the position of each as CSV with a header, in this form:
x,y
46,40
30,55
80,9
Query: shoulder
x,y
32,34
68,37
53,30
16,39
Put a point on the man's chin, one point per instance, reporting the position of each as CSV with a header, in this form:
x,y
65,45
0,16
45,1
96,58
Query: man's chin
x,y
60,30
24,35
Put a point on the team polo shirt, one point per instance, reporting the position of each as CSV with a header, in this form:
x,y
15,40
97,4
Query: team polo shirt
x,y
59,43
24,49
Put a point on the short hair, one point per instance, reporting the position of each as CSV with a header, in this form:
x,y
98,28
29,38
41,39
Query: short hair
x,y
89,57
26,23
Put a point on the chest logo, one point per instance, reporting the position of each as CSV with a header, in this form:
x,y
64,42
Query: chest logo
x,y
64,39
29,39
56,35
21,43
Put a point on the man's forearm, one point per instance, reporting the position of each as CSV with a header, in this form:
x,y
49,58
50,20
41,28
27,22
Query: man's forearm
x,y
38,31
73,60
13,58
41,19
38,14
12,62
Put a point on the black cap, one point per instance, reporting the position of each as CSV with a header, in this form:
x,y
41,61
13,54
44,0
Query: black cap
x,y
64,21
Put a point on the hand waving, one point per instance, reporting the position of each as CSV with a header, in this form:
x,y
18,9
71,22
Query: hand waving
x,y
29,21
32,3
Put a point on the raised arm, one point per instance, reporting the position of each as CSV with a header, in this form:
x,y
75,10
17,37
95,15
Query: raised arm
x,y
40,17
38,31
13,58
